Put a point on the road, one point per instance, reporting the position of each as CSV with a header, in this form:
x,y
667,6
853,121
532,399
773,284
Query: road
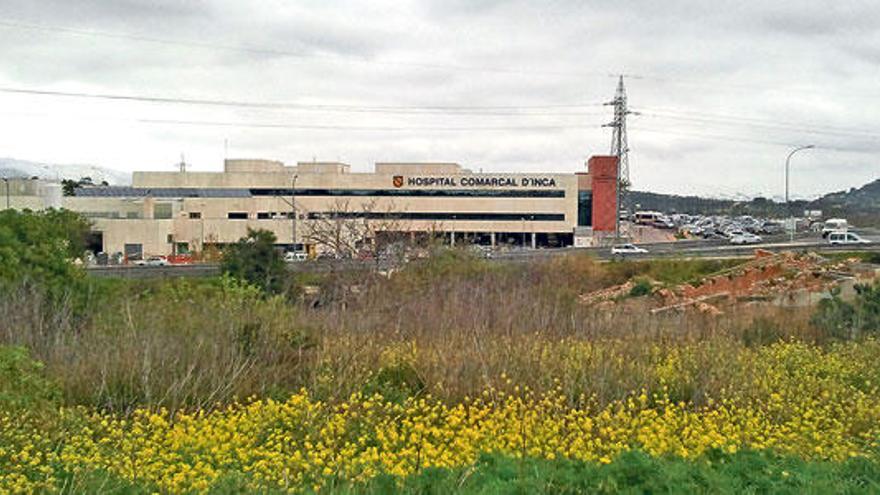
x,y
675,250
679,249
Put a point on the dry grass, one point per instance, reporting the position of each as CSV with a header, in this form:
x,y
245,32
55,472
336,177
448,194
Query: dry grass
x,y
450,327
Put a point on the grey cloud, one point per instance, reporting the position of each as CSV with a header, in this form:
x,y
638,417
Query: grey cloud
x,y
810,63
92,12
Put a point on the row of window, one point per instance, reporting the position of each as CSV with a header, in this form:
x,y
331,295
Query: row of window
x,y
424,216
193,192
423,193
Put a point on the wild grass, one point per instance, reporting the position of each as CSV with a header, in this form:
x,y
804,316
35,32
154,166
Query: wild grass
x,y
449,326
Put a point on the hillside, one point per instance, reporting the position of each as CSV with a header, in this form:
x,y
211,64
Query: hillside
x,y
11,167
866,197
862,202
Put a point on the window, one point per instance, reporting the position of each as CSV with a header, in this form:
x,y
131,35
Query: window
x,y
170,238
237,215
585,208
218,192
430,193
195,215
263,215
162,211
443,216
134,251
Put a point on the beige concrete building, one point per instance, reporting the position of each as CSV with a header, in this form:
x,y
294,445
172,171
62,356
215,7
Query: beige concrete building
x,y
173,212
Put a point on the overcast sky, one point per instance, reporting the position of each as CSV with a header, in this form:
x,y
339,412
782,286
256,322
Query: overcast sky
x,y
724,88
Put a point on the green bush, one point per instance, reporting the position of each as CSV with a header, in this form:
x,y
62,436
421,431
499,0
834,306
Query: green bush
x,y
39,247
844,320
642,287
22,384
395,382
255,260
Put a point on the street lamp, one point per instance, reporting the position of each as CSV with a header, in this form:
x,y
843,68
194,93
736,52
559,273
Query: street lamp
x,y
787,167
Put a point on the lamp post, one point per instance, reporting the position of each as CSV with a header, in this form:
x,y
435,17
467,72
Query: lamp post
x,y
293,207
787,167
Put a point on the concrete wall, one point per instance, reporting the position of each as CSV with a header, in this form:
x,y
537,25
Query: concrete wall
x,y
322,168
30,194
252,165
394,168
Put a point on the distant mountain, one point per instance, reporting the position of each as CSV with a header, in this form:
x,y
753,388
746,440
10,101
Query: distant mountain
x,y
673,203
866,197
861,203
10,167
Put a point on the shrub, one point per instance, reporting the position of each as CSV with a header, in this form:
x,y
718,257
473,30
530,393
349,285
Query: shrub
x,y
255,260
642,287
39,247
843,320
22,384
397,378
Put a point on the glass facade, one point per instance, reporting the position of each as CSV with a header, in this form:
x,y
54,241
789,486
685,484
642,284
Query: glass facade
x,y
443,216
422,193
193,192
585,208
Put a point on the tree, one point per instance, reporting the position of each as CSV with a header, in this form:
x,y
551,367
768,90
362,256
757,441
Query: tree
x,y
69,186
345,232
255,259
40,246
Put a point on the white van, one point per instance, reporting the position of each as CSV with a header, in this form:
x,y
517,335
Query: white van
x,y
838,238
834,225
647,217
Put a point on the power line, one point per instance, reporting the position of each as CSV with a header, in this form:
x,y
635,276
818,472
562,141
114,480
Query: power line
x,y
762,126
739,139
719,137
703,84
264,125
714,84
296,54
549,127
499,110
724,118
414,109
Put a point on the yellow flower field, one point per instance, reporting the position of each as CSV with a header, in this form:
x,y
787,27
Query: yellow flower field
x,y
800,399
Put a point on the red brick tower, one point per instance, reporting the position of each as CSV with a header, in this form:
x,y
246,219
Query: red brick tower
x,y
603,175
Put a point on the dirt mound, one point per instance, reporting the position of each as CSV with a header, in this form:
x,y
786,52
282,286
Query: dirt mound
x,y
767,278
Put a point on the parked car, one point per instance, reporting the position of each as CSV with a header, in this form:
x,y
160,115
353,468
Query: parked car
x,y
625,249
745,238
840,238
152,261
295,256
